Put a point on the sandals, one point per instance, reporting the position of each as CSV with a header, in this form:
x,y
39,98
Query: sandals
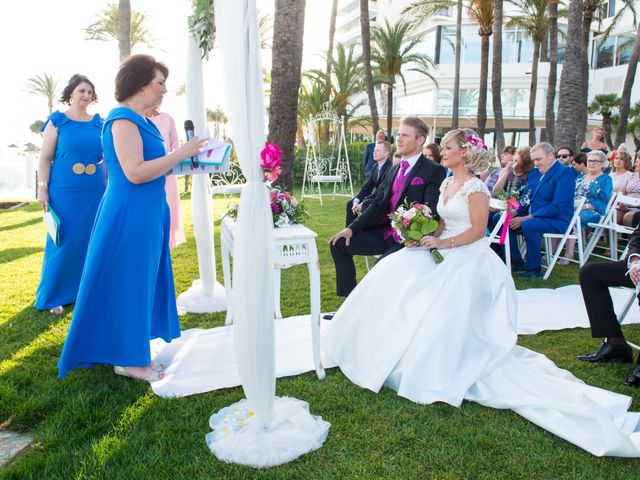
x,y
154,376
59,310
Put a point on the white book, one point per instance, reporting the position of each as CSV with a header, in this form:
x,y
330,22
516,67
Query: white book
x,y
52,224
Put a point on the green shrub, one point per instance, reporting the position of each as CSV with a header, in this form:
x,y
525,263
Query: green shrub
x,y
354,150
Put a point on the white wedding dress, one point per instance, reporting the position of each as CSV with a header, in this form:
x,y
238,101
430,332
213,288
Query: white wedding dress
x,y
445,333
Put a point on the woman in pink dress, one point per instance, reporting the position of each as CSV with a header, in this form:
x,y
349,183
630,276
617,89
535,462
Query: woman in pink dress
x,y
167,127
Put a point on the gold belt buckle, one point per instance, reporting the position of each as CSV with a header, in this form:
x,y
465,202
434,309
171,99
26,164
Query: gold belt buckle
x,y
80,168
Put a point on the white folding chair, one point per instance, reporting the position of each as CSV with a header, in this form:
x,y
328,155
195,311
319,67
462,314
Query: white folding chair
x,y
599,229
609,224
494,236
573,231
623,313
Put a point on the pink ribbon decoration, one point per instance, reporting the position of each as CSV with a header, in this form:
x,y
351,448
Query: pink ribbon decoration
x,y
512,205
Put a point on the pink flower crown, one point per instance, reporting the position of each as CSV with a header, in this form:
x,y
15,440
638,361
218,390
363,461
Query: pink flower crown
x,y
473,141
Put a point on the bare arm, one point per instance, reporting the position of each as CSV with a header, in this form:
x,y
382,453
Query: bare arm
x,y
44,166
128,146
479,213
502,179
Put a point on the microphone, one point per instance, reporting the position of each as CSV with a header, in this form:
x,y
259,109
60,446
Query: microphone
x,y
189,130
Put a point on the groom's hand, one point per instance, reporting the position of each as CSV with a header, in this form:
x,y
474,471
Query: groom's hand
x,y
347,233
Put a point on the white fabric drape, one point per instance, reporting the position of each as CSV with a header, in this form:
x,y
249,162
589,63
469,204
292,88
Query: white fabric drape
x,y
206,295
263,431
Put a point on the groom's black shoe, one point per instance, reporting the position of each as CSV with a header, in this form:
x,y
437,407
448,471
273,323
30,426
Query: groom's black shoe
x,y
537,273
517,266
607,353
633,380
328,316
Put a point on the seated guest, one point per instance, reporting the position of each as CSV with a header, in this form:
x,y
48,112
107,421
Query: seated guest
x,y
595,280
631,188
595,143
621,170
597,187
367,159
579,165
381,155
564,155
551,186
415,179
506,161
432,152
515,177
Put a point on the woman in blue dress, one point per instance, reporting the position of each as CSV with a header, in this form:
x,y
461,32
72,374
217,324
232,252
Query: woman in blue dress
x,y
71,181
127,293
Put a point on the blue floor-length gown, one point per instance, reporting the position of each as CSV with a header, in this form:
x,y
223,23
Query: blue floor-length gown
x,y
74,197
127,294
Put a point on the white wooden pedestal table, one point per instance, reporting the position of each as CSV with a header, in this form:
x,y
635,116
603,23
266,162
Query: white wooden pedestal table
x,y
292,245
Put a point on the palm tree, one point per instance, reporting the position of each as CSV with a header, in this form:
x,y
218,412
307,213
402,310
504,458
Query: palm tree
x,y
421,10
218,117
366,60
391,52
288,37
329,56
570,80
604,105
124,28
496,75
633,124
265,30
625,98
533,19
107,27
45,86
482,12
550,115
310,102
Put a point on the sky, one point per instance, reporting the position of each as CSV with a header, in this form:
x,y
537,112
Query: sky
x,y
38,36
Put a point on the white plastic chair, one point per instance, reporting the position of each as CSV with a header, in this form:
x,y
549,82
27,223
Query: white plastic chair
x,y
494,236
573,231
623,313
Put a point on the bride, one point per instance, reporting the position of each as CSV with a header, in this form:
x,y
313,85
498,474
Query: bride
x,y
445,333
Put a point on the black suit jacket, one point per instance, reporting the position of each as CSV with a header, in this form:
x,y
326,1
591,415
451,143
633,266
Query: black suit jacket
x,y
374,181
426,192
634,243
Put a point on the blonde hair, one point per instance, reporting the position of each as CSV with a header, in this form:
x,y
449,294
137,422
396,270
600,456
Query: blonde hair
x,y
476,158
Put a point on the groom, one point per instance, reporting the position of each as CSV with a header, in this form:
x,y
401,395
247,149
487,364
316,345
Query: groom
x,y
414,179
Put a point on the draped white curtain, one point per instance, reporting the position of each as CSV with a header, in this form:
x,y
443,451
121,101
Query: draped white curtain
x,y
282,428
206,294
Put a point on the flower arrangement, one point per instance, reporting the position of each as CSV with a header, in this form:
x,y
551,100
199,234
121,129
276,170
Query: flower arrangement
x,y
271,158
412,222
514,197
285,208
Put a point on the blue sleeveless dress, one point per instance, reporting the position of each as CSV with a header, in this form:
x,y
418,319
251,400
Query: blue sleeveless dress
x,y
74,196
127,295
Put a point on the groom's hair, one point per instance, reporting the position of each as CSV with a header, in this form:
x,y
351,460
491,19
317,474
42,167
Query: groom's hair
x,y
421,128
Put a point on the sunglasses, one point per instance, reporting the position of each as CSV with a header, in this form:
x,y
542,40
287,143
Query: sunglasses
x,y
563,155
595,161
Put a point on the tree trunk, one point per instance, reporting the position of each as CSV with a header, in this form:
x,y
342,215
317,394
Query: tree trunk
x,y
582,112
327,87
550,116
389,110
456,78
570,81
288,36
533,91
124,28
625,98
496,76
606,124
366,60
482,95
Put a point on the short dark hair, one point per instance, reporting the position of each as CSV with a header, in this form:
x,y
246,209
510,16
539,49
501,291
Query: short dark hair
x,y
136,72
421,128
580,158
74,81
564,148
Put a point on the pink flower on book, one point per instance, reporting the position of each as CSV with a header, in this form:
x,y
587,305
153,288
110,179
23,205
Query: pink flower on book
x,y
417,181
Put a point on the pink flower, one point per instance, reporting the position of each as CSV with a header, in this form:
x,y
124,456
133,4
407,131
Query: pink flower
x,y
405,223
426,211
272,174
271,156
273,194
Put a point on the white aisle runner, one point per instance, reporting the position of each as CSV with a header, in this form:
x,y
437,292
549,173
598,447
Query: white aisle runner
x,y
204,360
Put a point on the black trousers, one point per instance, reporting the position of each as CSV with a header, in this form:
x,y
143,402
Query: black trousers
x,y
350,217
595,280
366,242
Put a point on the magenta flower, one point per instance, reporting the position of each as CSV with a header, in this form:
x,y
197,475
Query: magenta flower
x,y
271,156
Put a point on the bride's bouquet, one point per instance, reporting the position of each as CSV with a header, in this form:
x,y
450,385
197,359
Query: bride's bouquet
x,y
412,222
513,198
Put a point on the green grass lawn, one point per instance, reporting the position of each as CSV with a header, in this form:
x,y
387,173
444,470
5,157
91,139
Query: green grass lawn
x,y
94,424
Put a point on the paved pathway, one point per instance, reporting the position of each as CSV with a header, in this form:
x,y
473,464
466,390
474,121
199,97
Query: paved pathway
x,y
11,444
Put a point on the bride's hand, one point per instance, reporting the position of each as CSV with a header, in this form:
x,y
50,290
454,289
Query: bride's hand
x,y
410,243
429,242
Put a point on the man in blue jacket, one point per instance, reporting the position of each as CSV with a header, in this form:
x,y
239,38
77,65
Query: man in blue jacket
x,y
551,188
368,161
